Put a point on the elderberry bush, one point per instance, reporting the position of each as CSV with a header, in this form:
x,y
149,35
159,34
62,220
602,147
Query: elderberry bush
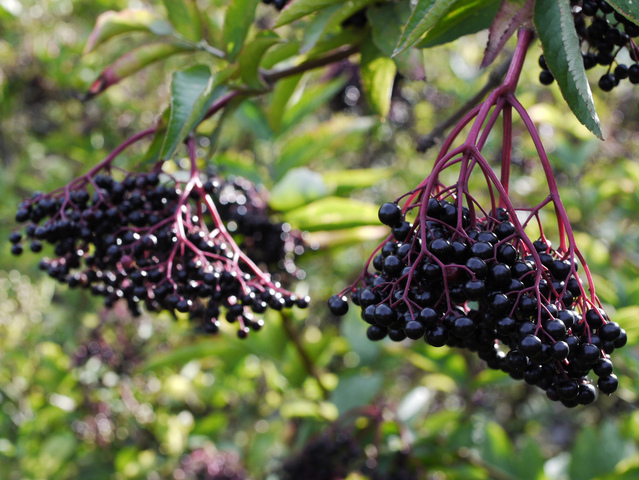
x,y
603,34
153,240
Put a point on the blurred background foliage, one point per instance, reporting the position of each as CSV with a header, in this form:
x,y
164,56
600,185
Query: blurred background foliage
x,y
93,394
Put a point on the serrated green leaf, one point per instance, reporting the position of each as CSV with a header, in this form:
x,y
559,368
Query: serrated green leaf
x,y
112,23
133,61
192,92
301,8
386,22
628,8
470,17
333,213
184,16
555,27
251,56
298,187
378,76
240,15
425,14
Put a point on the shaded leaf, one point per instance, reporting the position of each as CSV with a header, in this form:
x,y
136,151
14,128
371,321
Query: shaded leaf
x,y
298,187
321,141
282,93
470,17
378,76
252,55
511,15
563,56
588,462
184,16
425,14
112,23
133,61
316,27
239,18
386,22
312,98
333,213
365,386
301,8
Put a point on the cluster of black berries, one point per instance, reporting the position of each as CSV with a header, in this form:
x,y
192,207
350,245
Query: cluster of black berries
x,y
244,211
603,33
279,4
337,453
150,240
482,285
208,463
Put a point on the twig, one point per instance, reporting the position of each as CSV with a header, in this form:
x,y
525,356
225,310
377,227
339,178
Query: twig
x,y
292,334
271,77
494,79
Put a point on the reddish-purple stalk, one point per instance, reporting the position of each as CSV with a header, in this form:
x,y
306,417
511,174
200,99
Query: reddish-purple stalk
x,y
483,117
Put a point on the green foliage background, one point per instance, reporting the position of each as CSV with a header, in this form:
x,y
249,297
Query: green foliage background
x,y
177,391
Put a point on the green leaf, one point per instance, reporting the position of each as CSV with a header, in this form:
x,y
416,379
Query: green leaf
x,y
628,8
333,213
588,462
386,22
378,75
111,23
282,93
298,187
252,118
495,447
239,18
556,29
470,17
251,56
301,8
365,386
529,461
133,61
425,14
343,182
312,98
279,53
184,16
320,142
316,27
192,93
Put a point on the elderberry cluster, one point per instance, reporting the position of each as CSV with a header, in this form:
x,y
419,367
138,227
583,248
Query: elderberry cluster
x,y
603,33
151,241
278,4
244,210
483,286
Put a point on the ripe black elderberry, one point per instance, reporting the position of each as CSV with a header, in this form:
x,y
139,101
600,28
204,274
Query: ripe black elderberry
x,y
153,240
602,36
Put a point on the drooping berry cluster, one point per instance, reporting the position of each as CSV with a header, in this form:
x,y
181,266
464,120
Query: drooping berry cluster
x,y
603,33
244,210
208,463
150,239
463,272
